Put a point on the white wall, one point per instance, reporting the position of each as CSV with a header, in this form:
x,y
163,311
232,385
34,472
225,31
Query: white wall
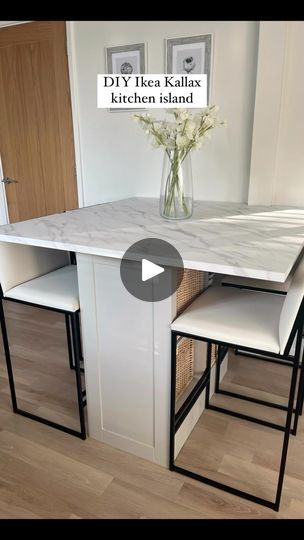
x,y
290,153
117,159
270,68
277,164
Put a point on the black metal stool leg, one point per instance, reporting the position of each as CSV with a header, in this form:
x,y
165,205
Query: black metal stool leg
x,y
79,338
286,428
76,338
299,403
186,472
8,358
299,398
172,399
301,386
218,370
69,341
288,420
208,368
80,393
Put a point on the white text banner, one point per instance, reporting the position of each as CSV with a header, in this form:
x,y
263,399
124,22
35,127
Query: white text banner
x,y
151,91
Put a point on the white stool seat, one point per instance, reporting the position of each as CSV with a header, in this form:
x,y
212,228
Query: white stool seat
x,y
236,316
57,289
237,281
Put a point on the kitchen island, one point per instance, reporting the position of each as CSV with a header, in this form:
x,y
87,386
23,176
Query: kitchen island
x,y
126,341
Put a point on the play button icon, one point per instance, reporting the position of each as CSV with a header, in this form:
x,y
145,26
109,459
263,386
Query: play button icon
x,y
151,270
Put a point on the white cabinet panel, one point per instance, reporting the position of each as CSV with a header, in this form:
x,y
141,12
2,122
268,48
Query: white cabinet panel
x,y
118,349
125,329
127,360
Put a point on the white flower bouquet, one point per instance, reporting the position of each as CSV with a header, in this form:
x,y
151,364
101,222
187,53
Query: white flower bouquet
x,y
185,132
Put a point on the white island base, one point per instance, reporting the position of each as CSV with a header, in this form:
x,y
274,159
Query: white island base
x,y
127,349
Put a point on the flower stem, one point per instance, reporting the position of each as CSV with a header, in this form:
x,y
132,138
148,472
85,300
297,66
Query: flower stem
x,y
174,198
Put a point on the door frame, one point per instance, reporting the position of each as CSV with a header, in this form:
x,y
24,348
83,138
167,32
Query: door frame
x,y
72,69
3,203
72,66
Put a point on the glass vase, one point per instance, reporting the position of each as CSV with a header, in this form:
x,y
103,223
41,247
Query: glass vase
x,y
176,198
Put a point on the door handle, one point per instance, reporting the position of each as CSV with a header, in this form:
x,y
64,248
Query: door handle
x,y
7,180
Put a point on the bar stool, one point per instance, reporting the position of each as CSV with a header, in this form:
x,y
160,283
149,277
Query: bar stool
x,y
271,287
259,323
43,278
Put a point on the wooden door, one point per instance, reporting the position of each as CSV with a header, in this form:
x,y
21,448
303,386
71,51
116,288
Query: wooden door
x,y
36,133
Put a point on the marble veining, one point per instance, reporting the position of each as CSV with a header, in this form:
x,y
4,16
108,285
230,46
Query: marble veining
x,y
233,238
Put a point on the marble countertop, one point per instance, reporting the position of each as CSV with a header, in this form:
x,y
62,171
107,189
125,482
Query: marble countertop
x,y
231,238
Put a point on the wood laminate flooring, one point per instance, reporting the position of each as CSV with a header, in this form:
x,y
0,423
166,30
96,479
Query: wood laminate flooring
x,y
45,473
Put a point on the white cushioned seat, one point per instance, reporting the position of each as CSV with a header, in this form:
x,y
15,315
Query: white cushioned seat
x,y
57,289
236,316
20,263
237,281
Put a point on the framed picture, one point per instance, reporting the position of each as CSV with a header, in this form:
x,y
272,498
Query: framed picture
x,y
190,55
126,60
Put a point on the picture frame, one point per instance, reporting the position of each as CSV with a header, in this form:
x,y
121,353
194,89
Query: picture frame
x,y
191,54
126,60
